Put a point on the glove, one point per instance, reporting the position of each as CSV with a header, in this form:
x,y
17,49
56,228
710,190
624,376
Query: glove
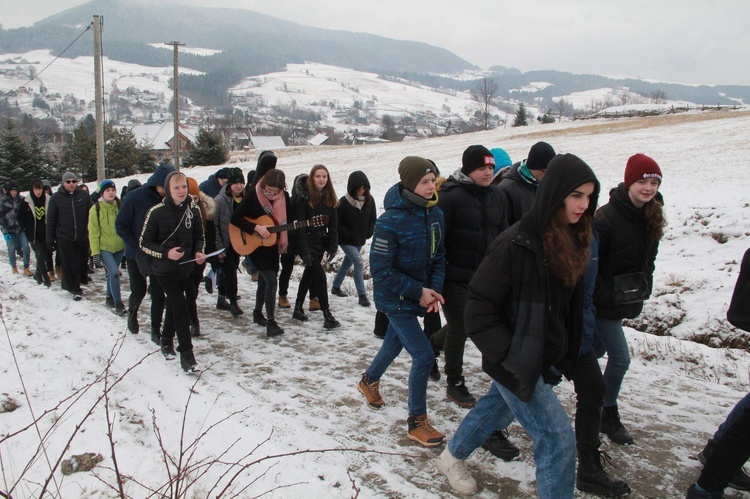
x,y
8,238
306,260
97,261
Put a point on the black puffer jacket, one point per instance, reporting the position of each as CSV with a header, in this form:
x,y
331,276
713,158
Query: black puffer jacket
x,y
68,215
32,215
624,248
356,225
508,313
168,226
474,216
519,193
313,240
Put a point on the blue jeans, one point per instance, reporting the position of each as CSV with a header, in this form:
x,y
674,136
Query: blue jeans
x,y
111,262
18,241
351,258
736,413
610,338
404,331
543,417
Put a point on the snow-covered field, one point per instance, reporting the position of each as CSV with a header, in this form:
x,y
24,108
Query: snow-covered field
x,y
261,397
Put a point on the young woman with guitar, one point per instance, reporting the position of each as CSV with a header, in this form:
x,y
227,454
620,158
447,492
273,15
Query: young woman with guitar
x,y
261,211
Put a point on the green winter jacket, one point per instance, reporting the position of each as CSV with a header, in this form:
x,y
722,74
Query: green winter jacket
x,y
102,235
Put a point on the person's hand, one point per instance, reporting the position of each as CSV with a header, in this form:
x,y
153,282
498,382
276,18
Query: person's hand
x,y
306,260
175,254
200,257
8,238
431,300
262,231
97,261
330,255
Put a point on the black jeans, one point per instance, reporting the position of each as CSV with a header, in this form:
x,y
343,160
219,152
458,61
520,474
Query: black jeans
x,y
43,257
266,293
74,259
138,289
229,266
178,316
191,291
589,386
730,453
456,295
314,280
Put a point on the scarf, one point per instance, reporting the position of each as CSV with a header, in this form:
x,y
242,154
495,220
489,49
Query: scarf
x,y
523,170
357,202
277,211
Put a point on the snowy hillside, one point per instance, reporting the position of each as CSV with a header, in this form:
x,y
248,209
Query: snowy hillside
x,y
263,398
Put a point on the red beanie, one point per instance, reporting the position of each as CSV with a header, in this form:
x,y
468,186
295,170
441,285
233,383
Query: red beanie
x,y
639,167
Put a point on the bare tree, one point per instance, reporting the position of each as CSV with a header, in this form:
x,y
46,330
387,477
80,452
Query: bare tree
x,y
658,96
483,93
563,108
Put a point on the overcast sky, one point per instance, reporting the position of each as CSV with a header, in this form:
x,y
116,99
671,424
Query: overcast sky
x,y
685,41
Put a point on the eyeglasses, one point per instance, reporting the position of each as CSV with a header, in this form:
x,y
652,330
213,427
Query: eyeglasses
x,y
71,181
270,194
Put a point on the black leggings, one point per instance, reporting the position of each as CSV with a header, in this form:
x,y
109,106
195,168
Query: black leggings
x,y
178,316
138,289
287,265
266,292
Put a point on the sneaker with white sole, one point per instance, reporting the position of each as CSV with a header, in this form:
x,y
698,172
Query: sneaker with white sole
x,y
455,470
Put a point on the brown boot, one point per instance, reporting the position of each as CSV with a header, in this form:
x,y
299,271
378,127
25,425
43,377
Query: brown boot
x,y
314,305
15,270
27,271
420,430
371,393
284,303
51,275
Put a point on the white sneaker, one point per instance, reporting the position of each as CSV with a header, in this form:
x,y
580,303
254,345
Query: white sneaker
x,y
456,472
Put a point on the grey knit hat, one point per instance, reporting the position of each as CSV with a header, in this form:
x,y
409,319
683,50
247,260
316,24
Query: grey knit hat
x,y
69,176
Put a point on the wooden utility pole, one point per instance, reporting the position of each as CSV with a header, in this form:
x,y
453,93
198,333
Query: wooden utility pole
x,y
99,99
176,138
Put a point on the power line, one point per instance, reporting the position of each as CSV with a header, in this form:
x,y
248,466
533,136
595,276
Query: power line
x,y
60,55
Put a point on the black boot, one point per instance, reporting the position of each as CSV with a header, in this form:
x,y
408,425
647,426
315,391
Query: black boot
x,y
120,308
195,329
167,349
45,278
156,335
235,309
435,371
299,312
613,428
337,292
259,318
38,276
273,329
188,363
592,477
222,303
739,481
499,446
133,326
329,321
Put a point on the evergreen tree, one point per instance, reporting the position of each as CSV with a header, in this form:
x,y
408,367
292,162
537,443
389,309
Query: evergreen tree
x,y
522,118
121,152
44,162
209,149
79,155
15,160
146,161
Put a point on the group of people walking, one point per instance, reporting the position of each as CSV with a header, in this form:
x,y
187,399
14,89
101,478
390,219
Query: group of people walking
x,y
519,257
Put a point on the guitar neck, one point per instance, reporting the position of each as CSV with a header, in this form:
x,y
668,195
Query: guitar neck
x,y
297,224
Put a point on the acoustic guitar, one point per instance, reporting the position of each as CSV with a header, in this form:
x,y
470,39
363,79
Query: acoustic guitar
x,y
244,243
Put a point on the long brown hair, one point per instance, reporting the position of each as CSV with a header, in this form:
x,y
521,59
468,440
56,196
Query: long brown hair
x,y
327,196
273,178
566,246
653,213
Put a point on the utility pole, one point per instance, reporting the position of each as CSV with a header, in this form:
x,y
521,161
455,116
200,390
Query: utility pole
x,y
99,98
176,138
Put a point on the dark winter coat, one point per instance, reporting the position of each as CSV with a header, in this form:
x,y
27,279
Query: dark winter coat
x,y
519,193
135,206
68,215
169,225
264,257
266,161
624,248
9,209
211,186
313,241
474,216
407,252
739,309
32,216
589,285
225,206
356,225
509,312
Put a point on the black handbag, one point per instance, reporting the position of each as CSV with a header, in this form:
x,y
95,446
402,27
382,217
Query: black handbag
x,y
144,264
630,288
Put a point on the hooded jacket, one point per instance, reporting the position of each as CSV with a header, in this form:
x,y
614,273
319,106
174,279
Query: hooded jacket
x,y
474,216
508,311
407,253
211,185
313,240
356,225
518,192
225,206
130,218
169,225
624,248
9,208
68,215
32,215
266,161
